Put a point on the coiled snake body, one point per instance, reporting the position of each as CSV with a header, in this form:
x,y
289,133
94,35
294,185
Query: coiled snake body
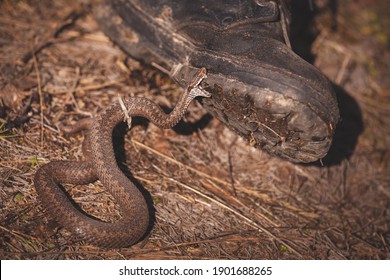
x,y
101,165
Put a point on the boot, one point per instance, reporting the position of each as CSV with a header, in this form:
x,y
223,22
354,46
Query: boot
x,y
260,88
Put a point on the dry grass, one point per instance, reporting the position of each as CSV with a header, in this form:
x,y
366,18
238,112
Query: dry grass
x,y
215,197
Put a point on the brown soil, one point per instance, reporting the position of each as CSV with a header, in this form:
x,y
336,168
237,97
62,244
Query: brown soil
x,y
215,197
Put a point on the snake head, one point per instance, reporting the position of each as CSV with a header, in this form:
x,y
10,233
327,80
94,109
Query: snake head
x,y
194,86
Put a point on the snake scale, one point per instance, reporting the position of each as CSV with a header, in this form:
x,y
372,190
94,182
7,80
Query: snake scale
x,y
100,164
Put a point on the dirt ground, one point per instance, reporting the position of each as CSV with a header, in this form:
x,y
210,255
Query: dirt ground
x,y
215,197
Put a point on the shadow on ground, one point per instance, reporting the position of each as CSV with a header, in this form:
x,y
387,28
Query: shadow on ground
x,y
348,129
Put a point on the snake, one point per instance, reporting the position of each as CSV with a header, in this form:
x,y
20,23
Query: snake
x,y
99,163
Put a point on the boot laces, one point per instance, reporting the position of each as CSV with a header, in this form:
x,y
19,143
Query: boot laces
x,y
284,17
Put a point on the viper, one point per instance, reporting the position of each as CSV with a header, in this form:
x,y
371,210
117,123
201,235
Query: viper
x,y
100,164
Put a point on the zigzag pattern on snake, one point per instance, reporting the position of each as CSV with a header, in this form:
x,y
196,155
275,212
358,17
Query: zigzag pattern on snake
x,y
100,164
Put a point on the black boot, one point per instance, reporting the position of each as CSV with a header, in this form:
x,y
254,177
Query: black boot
x,y
260,88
